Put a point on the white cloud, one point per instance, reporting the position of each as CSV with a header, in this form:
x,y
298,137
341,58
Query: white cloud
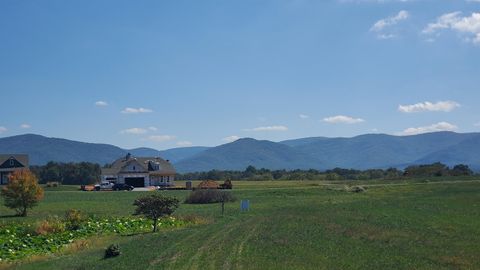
x,y
152,128
269,128
441,126
160,138
477,124
135,131
129,110
231,138
184,143
303,116
469,25
101,103
3,130
441,106
390,21
25,126
342,119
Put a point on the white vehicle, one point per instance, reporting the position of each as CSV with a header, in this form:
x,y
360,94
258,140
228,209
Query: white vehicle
x,y
104,186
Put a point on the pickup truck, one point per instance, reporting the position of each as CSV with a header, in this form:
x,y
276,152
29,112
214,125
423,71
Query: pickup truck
x,y
104,186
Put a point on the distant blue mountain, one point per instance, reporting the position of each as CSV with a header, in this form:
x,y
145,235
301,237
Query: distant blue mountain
x,y
244,152
361,152
42,150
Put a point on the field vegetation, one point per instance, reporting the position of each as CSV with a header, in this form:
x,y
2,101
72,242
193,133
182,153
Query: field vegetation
x,y
429,223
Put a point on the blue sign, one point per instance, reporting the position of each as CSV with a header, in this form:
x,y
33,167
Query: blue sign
x,y
245,205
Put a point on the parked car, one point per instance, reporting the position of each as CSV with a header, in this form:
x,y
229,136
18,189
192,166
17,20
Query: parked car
x,y
104,186
122,187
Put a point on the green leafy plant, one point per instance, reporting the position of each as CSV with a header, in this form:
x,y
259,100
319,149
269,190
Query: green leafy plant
x,y
155,206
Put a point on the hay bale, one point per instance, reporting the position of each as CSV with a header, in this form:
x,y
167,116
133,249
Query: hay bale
x,y
208,184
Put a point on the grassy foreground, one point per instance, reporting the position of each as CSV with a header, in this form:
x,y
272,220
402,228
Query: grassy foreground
x,y
292,225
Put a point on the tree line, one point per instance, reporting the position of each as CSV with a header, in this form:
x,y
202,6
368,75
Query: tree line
x,y
252,173
82,173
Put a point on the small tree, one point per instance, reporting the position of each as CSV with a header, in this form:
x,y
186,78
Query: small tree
x,y
155,206
22,191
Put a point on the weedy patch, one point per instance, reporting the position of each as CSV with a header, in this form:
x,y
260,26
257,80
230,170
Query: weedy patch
x,y
17,241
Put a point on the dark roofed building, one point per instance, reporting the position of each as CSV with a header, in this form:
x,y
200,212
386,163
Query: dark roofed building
x,y
10,163
140,172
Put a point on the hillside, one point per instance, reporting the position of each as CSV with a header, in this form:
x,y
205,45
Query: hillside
x,y
361,152
244,152
42,150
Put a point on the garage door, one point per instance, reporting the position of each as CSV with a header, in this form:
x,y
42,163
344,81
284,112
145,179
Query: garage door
x,y
135,181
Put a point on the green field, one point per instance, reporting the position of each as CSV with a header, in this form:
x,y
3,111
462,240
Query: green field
x,y
292,225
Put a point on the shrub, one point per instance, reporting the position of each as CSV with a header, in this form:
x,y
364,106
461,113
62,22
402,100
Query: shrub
x,y
51,224
52,184
155,206
112,251
203,196
74,219
22,191
226,185
356,189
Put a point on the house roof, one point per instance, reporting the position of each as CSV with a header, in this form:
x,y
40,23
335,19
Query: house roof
x,y
22,158
165,166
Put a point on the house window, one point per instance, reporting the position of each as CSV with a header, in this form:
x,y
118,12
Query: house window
x,y
12,162
134,168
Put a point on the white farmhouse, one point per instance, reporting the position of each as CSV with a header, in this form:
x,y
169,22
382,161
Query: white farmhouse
x,y
140,172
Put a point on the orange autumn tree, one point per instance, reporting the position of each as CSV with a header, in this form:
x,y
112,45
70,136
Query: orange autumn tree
x,y
22,191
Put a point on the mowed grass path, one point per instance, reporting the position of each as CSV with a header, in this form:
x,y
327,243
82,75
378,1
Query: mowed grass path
x,y
293,225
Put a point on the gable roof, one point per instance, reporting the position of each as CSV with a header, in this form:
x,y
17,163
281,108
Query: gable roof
x,y
165,166
22,158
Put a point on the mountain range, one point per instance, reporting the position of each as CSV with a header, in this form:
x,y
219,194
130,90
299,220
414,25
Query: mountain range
x,y
360,152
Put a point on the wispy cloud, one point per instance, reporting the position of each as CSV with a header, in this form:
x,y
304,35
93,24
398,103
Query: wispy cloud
x,y
152,128
441,126
389,21
101,103
3,130
469,26
303,116
135,131
184,143
231,138
441,106
25,126
342,119
129,110
381,26
160,138
268,128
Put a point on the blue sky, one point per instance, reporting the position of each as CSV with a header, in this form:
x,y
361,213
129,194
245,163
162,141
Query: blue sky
x,y
164,74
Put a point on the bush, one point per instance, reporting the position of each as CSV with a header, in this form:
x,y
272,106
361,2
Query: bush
x,y
356,189
22,191
51,224
52,184
203,196
74,219
227,184
155,206
112,251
